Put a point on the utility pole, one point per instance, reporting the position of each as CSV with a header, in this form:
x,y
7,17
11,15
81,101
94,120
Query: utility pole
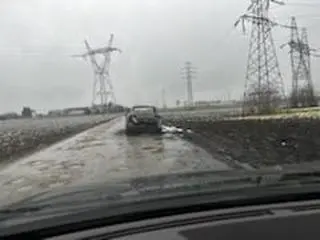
x,y
302,94
264,88
188,74
102,85
164,103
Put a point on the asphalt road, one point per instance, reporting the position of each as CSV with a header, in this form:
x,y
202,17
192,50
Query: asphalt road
x,y
99,154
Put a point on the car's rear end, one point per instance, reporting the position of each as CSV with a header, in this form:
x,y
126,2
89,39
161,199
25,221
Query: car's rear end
x,y
140,121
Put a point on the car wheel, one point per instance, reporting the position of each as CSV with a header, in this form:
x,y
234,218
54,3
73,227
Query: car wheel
x,y
158,129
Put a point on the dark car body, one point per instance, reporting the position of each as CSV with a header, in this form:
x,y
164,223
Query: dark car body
x,y
188,205
143,118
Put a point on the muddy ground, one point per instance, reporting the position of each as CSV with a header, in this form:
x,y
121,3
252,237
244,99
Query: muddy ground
x,y
102,154
257,143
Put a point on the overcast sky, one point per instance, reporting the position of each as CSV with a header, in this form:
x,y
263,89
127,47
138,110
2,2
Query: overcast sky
x,y
156,36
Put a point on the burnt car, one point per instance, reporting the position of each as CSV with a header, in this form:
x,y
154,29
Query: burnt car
x,y
143,118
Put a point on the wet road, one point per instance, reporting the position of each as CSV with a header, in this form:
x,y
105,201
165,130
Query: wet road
x,y
99,154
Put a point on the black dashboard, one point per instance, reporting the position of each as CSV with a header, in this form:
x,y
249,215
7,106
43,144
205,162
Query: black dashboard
x,y
278,221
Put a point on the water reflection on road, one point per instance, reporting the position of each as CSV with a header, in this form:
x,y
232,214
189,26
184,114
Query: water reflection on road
x,y
99,154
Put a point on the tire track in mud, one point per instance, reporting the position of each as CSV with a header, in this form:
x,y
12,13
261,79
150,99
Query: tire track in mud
x,y
99,154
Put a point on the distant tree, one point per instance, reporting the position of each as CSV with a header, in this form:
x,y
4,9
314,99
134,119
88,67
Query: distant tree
x,y
110,105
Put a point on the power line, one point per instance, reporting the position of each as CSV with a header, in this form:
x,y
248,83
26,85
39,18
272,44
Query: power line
x,y
303,4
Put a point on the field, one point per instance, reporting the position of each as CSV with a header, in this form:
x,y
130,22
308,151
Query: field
x,y
287,137
257,141
203,113
22,136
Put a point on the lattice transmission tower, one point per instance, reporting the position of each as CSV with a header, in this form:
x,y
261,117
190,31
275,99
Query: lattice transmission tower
x,y
302,93
102,84
188,74
264,88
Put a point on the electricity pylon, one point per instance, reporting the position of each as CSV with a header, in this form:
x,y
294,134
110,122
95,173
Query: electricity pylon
x,y
302,93
188,74
264,88
102,84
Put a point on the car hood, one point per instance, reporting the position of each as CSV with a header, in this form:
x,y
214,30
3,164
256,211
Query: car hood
x,y
157,186
80,203
125,190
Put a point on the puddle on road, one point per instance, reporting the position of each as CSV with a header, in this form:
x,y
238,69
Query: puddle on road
x,y
25,189
120,132
87,145
103,153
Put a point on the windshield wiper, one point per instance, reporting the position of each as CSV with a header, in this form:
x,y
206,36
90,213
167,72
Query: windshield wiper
x,y
286,177
225,180
22,209
18,211
302,177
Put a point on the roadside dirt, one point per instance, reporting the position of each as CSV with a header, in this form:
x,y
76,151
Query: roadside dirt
x,y
258,143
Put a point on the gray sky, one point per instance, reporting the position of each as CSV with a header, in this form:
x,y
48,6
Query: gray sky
x,y
156,36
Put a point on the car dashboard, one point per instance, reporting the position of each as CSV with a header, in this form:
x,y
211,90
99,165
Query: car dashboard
x,y
278,221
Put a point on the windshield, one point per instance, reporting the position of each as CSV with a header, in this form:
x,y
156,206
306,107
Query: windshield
x,y
232,86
